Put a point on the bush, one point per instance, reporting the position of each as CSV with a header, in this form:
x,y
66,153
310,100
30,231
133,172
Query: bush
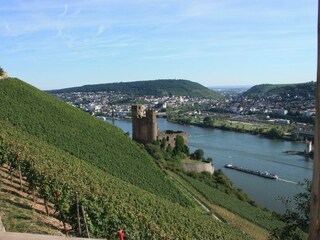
x,y
296,217
197,155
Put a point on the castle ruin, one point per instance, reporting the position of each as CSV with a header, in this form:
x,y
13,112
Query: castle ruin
x,y
144,124
145,127
170,137
145,130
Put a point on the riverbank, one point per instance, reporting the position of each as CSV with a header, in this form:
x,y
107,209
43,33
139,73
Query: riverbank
x,y
269,132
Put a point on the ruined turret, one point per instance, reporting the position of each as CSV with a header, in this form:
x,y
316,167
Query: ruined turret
x,y
144,124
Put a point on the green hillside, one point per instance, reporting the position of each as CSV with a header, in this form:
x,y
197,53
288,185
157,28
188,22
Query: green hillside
x,y
283,90
83,136
61,149
109,202
256,215
153,87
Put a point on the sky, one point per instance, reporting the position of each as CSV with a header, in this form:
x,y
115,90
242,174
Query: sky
x,y
57,44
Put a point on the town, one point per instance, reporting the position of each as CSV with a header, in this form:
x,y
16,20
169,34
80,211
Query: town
x,y
289,117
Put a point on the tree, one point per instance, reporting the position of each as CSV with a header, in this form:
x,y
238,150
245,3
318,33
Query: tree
x,y
163,143
208,121
198,154
296,217
169,149
275,133
179,145
180,150
1,71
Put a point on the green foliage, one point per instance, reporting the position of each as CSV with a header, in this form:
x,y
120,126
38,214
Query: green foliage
x,y
180,119
158,151
198,154
1,71
157,88
83,136
180,148
155,151
274,133
109,202
296,217
219,191
284,90
208,121
163,143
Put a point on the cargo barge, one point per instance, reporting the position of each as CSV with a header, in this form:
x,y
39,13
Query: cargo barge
x,y
253,172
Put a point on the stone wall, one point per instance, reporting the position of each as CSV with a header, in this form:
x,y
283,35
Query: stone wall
x,y
199,167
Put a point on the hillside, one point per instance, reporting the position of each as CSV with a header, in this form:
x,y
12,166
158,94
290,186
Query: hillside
x,y
157,88
61,150
284,90
83,136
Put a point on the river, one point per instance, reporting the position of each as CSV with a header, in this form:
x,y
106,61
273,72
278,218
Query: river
x,y
249,151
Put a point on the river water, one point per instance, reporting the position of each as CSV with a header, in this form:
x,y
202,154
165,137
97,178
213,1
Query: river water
x,y
249,151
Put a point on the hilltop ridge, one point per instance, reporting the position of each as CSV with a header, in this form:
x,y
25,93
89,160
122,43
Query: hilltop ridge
x,y
283,90
158,88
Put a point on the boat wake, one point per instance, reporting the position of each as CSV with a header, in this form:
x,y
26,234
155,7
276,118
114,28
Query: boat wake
x,y
287,181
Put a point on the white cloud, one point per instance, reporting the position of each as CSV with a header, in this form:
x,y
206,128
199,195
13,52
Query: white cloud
x,y
65,11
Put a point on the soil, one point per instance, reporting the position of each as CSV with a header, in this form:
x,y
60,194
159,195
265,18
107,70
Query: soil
x,y
20,198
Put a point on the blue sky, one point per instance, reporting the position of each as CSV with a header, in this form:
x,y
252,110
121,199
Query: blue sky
x,y
57,44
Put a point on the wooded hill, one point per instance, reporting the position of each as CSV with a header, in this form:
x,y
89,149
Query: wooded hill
x,y
284,90
62,150
156,88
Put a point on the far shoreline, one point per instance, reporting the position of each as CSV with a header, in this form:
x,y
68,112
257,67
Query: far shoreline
x,y
226,128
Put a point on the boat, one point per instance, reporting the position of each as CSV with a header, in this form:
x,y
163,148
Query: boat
x,y
264,174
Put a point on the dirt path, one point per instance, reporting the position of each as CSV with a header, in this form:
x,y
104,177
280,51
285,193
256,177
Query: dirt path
x,y
225,215
195,198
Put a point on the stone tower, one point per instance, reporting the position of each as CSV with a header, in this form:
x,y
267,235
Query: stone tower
x,y
144,124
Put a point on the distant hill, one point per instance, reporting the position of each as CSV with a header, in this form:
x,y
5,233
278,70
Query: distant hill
x,y
284,90
157,88
62,150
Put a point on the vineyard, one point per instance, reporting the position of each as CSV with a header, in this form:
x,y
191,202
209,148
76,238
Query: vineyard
x,y
108,202
254,214
91,174
83,136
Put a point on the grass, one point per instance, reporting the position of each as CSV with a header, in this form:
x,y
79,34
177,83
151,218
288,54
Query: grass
x,y
258,216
